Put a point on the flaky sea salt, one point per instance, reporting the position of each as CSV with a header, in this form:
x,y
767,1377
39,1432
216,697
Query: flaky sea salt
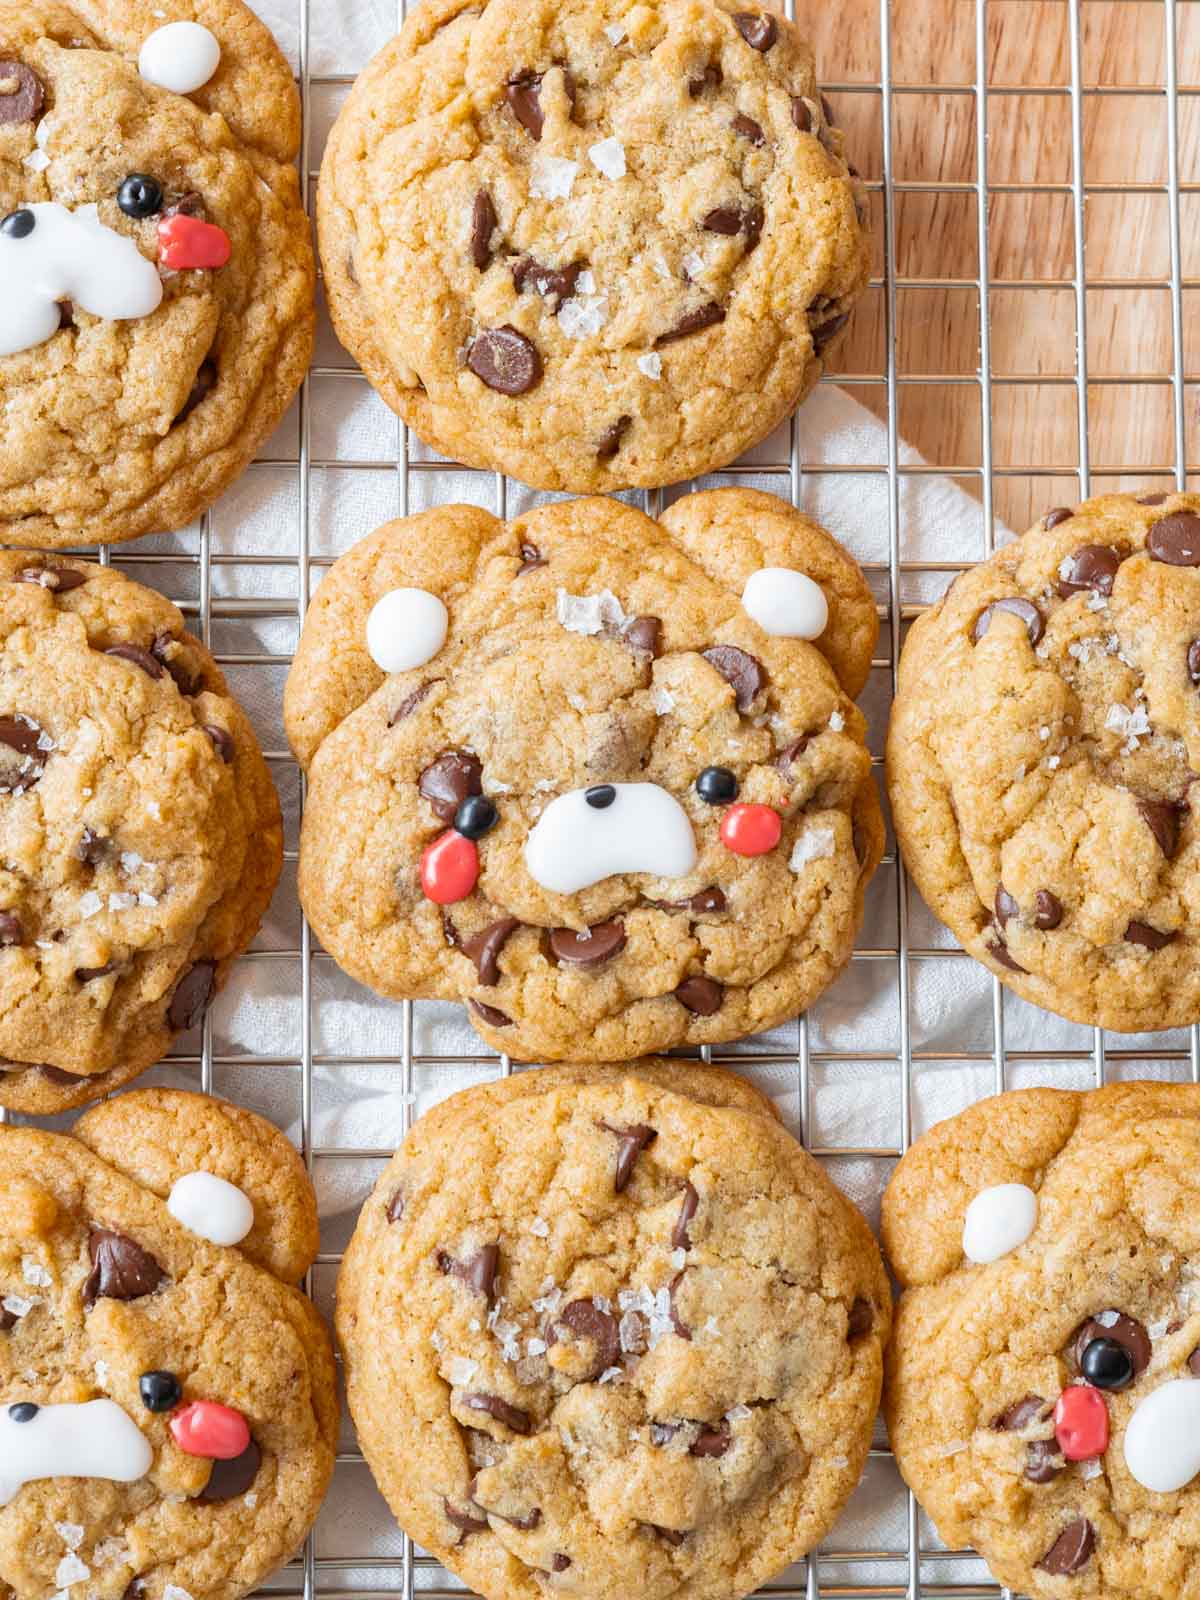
x,y
461,1371
71,1534
615,33
679,1259
102,1374
71,1570
535,1348
172,1591
632,1333
610,1375
693,265
650,365
33,1272
552,178
814,844
583,316
90,903
18,1306
122,902
589,613
540,1228
837,722
131,861
739,1413
608,157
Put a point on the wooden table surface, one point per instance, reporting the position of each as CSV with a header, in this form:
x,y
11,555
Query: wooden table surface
x,y
1031,236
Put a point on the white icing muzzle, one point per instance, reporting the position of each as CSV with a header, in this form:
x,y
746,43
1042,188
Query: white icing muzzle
x,y
94,1440
584,837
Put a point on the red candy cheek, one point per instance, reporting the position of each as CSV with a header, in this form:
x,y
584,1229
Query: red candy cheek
x,y
207,1429
1081,1423
187,244
751,830
449,869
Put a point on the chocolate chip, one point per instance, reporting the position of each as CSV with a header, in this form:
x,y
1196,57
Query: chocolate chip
x,y
1020,1414
523,93
1092,566
707,900
584,1320
93,848
1047,910
693,322
61,1075
749,129
121,1269
725,220
139,658
1006,906
759,32
1126,1331
1141,933
59,580
1043,1460
610,444
491,1015
559,1562
1164,820
410,702
1193,660
1025,609
589,949
712,1443
203,385
222,742
633,1141
644,633
1193,1363
229,1479
25,738
713,79
531,558
90,974
511,1416
505,360
1053,518
192,997
1153,499
484,948
703,997
671,1536
801,115
190,204
861,1319
744,673
526,1524
11,931
681,1239
483,226
463,1520
448,781
479,1273
395,1208
998,951
7,1320
786,758
677,1322
826,332
21,94
1176,540
552,283
1071,1551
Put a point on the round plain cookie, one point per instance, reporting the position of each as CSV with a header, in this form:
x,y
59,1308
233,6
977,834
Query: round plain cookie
x,y
156,286
605,806
611,1331
590,245
139,831
1042,757
1042,1402
133,1349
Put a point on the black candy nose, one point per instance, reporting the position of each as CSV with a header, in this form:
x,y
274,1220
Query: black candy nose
x,y
601,796
19,224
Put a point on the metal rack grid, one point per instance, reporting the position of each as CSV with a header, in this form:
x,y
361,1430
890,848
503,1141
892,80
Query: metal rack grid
x,y
917,1566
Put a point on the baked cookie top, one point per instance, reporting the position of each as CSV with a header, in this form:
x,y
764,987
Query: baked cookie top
x,y
156,282
611,1331
1042,1393
140,832
591,245
1042,755
168,1412
560,767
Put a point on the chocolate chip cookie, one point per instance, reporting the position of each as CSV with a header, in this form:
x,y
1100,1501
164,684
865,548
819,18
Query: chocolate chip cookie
x,y
591,245
1042,759
1042,1394
168,1411
601,777
611,1331
156,274
139,830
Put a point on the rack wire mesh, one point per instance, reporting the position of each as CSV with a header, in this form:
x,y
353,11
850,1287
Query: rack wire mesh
x,y
252,628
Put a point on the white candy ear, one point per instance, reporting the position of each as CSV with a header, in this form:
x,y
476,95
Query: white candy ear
x,y
999,1220
181,56
786,603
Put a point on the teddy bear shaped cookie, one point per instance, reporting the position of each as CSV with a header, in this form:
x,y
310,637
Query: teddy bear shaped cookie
x,y
603,778
156,274
168,1412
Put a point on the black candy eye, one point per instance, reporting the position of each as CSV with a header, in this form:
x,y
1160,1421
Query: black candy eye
x,y
19,224
475,817
1107,1365
25,1412
717,786
601,796
140,196
160,1391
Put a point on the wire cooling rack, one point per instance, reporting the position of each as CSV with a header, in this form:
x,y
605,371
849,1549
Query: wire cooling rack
x,y
245,575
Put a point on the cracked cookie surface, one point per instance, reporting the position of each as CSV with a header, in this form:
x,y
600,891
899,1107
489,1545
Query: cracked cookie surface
x,y
1042,758
608,809
132,418
120,1321
590,245
139,830
611,1331
988,1369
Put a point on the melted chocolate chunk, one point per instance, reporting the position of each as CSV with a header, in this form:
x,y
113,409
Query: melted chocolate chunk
x,y
463,1520
1020,1414
1193,1363
998,951
560,1562
395,1209
1164,820
861,1319
692,322
681,1238
410,702
1127,1332
744,673
192,997
584,1320
713,79
523,93
23,737
786,758
494,1017
483,225
448,781
121,1269
531,558
1047,910
749,129
186,682
484,948
1193,661
491,1404
644,633
1152,499
505,360
479,1273
677,1322
1025,609
21,94
1071,1551
1053,518
11,931
222,742
613,437
1176,540
93,848
801,115
1141,933
90,974
826,332
702,996
7,1320
526,1523
205,381
230,1479
589,949
59,580
712,1442
1043,1460
138,657
1006,906
552,283
708,900
1092,566
726,220
633,1141
759,31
